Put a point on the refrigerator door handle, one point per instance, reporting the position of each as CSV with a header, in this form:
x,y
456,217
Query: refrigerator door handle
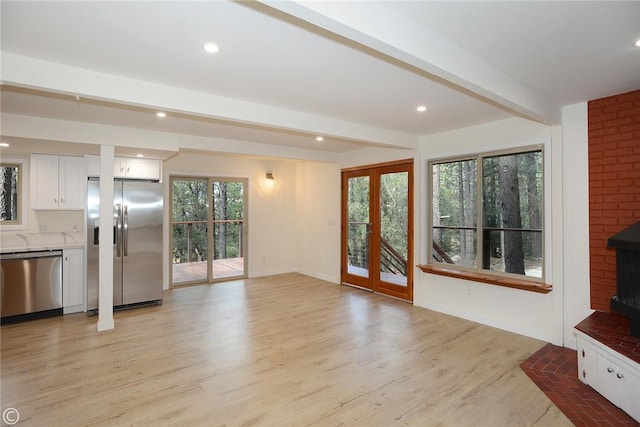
x,y
119,230
126,230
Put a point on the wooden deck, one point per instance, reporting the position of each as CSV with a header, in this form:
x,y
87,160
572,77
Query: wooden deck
x,y
197,271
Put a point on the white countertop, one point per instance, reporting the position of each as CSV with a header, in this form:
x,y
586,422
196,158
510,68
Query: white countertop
x,y
41,241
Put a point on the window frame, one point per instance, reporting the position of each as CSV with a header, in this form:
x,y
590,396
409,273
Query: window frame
x,y
478,273
23,184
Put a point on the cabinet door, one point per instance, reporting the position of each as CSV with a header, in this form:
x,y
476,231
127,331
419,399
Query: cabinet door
x,y
629,386
72,280
142,168
587,363
119,167
93,165
44,181
72,183
607,380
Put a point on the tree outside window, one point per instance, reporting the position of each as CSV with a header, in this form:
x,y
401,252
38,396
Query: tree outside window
x,y
486,213
9,193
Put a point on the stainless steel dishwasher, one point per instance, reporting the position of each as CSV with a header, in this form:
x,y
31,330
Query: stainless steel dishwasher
x,y
31,285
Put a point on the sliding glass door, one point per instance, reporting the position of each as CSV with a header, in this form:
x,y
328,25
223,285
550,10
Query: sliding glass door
x,y
208,229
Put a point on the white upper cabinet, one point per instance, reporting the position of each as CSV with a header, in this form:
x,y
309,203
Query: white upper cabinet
x,y
125,167
57,182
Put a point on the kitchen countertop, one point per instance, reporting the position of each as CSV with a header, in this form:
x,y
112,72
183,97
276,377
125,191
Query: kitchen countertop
x,y
41,241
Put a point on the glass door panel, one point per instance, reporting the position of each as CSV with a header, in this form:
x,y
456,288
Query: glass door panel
x,y
356,241
394,230
228,229
189,200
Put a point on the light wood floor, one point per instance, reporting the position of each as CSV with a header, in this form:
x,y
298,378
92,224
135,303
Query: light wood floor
x,y
285,350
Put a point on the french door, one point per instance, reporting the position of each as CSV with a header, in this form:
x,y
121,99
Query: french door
x,y
377,228
208,229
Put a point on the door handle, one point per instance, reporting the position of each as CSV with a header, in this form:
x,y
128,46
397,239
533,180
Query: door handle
x,y
126,230
119,230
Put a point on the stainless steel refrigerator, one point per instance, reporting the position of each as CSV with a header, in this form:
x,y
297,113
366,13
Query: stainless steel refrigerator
x,y
137,243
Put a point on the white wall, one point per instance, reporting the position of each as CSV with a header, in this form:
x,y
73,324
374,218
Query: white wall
x,y
370,156
271,210
575,166
318,220
519,311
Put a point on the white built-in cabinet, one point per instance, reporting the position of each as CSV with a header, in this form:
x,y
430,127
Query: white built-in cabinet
x,y
612,374
72,280
57,182
128,167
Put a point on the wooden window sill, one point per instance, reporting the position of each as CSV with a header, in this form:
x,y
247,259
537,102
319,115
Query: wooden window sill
x,y
491,279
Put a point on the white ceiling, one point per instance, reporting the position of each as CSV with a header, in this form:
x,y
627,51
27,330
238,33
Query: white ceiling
x,y
351,71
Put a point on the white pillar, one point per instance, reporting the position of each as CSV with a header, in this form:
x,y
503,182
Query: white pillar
x,y
105,280
575,177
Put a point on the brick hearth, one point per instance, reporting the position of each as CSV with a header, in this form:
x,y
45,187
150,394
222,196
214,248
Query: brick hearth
x,y
555,370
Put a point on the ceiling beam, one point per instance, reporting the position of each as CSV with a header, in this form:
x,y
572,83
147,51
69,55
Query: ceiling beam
x,y
368,24
46,129
33,73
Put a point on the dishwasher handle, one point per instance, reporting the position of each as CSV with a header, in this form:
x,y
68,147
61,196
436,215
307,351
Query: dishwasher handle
x,y
31,255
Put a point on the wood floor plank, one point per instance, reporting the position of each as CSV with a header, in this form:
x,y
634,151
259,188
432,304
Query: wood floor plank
x,y
285,350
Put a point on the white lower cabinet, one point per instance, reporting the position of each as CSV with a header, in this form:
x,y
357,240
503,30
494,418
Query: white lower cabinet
x,y
72,280
612,374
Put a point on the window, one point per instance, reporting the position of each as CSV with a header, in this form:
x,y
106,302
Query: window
x,y
487,213
11,212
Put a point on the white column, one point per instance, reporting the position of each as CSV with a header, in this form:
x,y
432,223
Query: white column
x,y
105,280
575,177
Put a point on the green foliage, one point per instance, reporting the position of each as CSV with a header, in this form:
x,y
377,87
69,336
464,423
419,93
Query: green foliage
x,y
358,218
454,201
191,218
394,217
9,175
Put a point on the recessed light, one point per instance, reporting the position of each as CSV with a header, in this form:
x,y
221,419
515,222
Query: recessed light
x,y
4,144
161,114
139,155
211,47
638,43
421,109
319,138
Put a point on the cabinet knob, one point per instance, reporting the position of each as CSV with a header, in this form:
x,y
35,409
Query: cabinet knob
x,y
55,200
619,375
610,370
61,200
583,352
584,374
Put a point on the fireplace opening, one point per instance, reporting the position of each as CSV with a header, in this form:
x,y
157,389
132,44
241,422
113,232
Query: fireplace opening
x,y
627,298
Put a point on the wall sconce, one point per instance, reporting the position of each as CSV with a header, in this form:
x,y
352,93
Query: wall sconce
x,y
270,176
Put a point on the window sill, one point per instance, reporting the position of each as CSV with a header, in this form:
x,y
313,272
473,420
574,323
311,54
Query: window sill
x,y
491,279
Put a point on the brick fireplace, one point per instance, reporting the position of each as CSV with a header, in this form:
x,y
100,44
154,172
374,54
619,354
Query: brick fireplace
x,y
614,185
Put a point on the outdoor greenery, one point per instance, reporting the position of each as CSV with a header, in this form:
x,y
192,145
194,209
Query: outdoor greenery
x,y
510,231
358,219
9,175
191,218
393,207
